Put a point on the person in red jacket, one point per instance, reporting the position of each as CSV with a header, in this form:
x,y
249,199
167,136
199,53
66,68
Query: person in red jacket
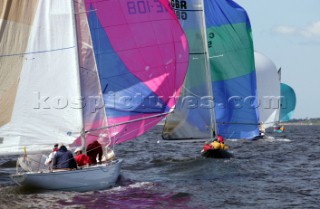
x,y
94,150
81,159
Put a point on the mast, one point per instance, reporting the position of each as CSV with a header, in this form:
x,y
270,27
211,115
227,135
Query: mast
x,y
83,135
279,73
208,72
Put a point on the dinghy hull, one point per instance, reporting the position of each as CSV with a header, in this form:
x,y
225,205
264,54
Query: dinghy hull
x,y
217,153
87,179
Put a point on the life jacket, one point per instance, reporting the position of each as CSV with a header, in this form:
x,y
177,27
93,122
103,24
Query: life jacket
x,y
207,147
216,145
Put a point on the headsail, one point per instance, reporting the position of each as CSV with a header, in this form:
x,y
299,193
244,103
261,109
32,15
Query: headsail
x,y
232,69
142,57
37,38
288,102
193,115
268,86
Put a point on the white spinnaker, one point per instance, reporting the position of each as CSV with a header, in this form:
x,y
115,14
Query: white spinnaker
x,y
268,86
47,105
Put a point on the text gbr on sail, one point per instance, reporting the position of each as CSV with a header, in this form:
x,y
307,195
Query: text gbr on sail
x,y
178,5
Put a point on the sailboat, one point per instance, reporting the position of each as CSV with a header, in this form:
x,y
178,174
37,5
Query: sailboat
x,y
268,86
79,71
287,106
276,100
288,102
219,93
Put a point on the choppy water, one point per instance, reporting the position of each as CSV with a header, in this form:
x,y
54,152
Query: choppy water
x,y
282,171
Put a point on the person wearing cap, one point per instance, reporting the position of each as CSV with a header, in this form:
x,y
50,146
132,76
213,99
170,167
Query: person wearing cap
x,y
63,159
48,161
82,159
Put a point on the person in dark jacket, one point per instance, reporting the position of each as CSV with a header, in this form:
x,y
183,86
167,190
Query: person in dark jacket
x,y
94,150
64,159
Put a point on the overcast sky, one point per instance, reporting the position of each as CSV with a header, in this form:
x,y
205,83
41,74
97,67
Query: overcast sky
x,y
288,32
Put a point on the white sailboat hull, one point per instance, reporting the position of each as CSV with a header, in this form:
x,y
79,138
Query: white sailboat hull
x,y
87,179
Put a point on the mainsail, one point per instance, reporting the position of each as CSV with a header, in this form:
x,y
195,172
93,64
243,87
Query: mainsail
x,y
138,53
288,102
193,116
39,59
268,86
233,72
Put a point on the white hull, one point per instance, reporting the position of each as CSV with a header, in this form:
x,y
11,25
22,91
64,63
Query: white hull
x,y
87,179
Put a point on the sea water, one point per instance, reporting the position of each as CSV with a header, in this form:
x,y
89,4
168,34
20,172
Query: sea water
x,y
281,171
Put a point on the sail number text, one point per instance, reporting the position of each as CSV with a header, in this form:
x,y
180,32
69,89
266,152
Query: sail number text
x,y
144,6
210,37
178,6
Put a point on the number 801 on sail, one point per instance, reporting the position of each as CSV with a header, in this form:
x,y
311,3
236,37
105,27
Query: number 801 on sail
x,y
145,6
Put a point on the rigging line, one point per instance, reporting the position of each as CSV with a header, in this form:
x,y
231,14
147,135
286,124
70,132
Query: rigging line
x,y
192,92
238,123
85,12
32,160
188,10
216,56
97,1
270,122
130,121
133,130
197,53
105,88
37,52
29,161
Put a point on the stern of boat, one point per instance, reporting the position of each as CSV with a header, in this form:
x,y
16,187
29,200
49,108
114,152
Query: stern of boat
x,y
18,178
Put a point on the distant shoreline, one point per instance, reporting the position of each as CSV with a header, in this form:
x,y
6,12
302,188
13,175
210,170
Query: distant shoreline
x,y
300,124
